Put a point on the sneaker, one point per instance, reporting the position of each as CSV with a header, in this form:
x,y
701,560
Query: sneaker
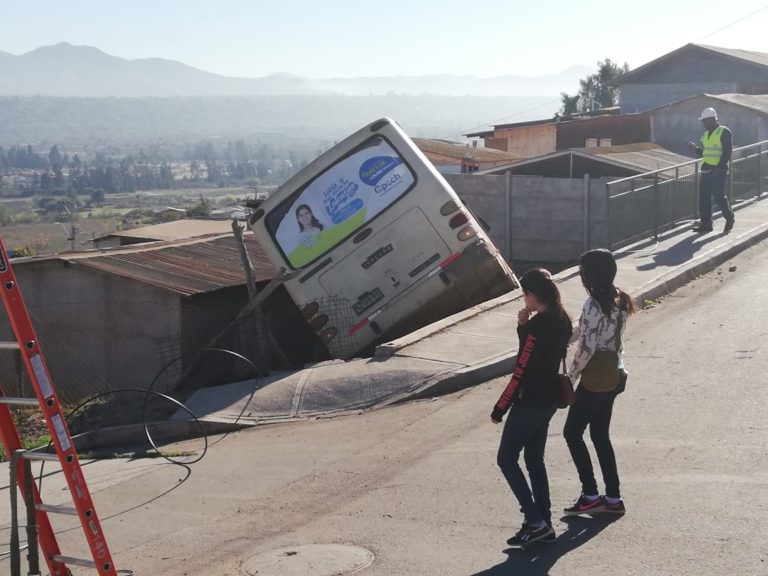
x,y
702,228
615,508
528,535
585,506
729,224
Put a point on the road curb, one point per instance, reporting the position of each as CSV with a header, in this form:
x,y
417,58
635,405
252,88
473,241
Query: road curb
x,y
455,380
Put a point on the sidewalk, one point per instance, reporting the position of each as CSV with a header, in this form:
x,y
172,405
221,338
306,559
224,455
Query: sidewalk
x,y
459,351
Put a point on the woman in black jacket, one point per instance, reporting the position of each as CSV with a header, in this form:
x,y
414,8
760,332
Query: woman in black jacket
x,y
544,329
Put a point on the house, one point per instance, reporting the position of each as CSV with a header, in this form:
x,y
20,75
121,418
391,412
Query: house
x,y
169,213
168,231
673,125
598,162
689,71
457,158
113,320
540,137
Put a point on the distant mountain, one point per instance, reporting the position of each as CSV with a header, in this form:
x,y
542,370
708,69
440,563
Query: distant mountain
x,y
85,71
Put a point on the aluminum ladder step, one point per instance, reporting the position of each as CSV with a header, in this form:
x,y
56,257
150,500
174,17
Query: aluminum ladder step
x,y
44,456
74,561
11,401
54,509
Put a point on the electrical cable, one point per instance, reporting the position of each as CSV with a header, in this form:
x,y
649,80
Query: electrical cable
x,y
733,23
149,393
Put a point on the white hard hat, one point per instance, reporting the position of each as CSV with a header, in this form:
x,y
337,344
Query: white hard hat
x,y
708,113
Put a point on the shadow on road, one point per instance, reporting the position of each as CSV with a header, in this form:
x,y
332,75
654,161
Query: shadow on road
x,y
681,252
539,559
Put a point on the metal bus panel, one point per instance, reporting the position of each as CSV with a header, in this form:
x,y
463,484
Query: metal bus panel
x,y
363,225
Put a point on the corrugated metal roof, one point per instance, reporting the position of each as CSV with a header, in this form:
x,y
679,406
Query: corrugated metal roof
x,y
757,102
189,268
459,151
645,156
759,58
176,230
641,157
747,55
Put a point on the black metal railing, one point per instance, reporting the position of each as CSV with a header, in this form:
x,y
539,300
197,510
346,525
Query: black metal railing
x,y
646,205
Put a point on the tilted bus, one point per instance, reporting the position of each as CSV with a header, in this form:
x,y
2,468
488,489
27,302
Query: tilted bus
x,y
380,242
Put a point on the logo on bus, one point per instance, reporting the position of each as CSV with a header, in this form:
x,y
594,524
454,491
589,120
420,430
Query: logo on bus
x,y
376,168
339,200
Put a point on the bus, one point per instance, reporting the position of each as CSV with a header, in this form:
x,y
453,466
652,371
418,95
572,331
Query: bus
x,y
378,242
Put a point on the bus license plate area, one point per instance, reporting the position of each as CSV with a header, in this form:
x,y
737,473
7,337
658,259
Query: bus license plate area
x,y
387,263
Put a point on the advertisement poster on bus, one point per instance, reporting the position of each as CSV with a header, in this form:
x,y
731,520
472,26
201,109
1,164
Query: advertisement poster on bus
x,y
339,201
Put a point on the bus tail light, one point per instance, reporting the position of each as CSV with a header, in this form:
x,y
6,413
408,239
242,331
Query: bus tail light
x,y
448,208
318,322
459,220
310,310
328,334
466,233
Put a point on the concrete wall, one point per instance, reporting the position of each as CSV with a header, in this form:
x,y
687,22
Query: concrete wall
x,y
97,331
538,219
672,126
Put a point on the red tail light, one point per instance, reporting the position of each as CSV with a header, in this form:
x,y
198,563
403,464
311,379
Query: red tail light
x,y
459,220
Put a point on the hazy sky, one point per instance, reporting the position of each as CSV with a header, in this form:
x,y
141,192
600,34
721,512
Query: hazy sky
x,y
324,38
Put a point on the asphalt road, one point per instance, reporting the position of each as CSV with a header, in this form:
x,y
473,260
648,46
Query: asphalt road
x,y
418,485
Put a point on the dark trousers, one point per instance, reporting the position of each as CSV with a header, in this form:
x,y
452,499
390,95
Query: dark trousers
x,y
526,430
712,185
593,409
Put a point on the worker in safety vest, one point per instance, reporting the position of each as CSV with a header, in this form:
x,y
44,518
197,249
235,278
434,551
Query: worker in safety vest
x,y
715,152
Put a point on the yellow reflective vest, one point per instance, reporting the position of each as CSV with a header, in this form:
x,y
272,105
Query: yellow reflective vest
x,y
712,146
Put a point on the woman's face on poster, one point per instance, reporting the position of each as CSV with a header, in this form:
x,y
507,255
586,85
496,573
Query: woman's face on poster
x,y
305,217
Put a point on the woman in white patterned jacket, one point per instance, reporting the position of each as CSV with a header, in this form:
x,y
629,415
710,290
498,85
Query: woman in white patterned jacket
x,y
601,326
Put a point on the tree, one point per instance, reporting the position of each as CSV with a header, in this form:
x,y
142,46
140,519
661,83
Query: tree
x,y
595,93
201,210
97,196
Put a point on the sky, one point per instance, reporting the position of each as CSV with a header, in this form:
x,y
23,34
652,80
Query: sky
x,y
336,38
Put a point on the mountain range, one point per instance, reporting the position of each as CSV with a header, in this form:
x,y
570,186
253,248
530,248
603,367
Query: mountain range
x,y
87,72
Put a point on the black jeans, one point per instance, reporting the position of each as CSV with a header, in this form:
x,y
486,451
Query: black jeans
x,y
712,185
593,409
526,429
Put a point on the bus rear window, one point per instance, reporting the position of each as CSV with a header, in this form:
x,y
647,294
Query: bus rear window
x,y
345,197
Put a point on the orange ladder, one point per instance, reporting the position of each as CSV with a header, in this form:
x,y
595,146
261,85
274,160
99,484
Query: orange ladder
x,y
28,345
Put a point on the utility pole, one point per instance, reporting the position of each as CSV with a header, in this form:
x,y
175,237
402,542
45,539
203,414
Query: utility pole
x,y
72,226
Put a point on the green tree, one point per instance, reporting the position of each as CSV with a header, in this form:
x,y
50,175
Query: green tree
x,y
202,209
5,217
97,196
595,93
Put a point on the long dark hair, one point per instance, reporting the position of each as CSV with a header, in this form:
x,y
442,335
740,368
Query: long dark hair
x,y
538,282
598,271
315,222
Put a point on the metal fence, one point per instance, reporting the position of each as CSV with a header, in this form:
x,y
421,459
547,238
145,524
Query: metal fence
x,y
646,205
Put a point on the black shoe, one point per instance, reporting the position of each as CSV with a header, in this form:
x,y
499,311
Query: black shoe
x,y
584,505
702,229
729,224
528,535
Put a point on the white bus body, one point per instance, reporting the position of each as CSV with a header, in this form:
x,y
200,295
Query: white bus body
x,y
381,241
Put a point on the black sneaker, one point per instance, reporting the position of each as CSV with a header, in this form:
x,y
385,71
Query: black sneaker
x,y
729,224
617,508
528,535
702,228
585,506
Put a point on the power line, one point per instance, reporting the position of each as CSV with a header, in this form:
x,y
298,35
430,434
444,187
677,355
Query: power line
x,y
733,23
499,120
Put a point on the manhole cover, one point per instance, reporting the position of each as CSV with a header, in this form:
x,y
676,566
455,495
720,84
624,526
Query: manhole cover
x,y
310,559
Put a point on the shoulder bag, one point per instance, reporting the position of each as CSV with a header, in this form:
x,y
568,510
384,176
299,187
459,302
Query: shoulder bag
x,y
601,374
565,394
